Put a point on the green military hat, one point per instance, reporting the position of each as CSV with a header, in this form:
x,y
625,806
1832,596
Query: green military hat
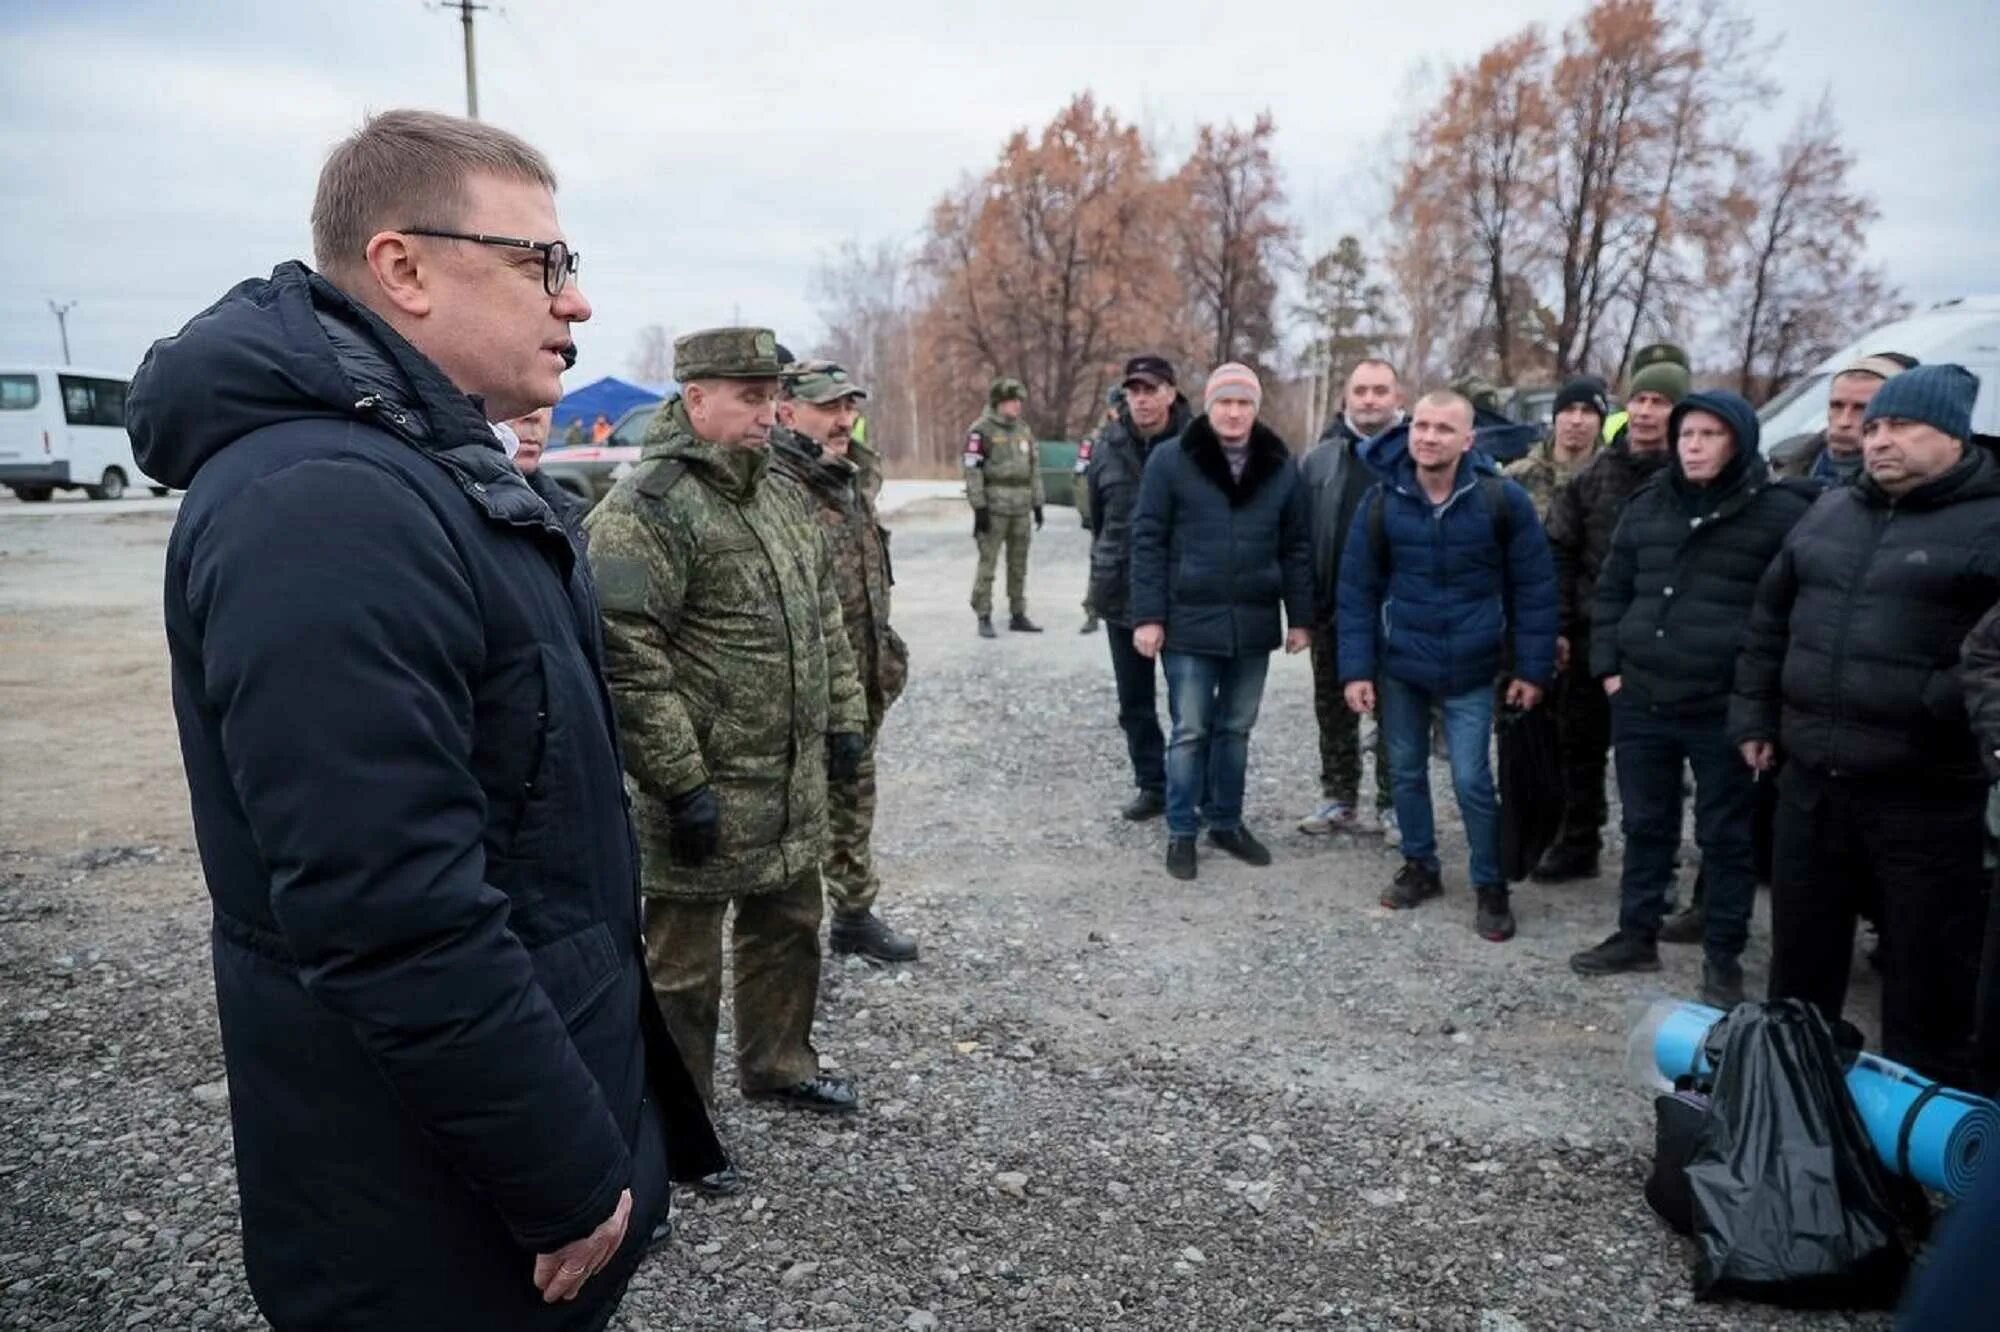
x,y
821,382
727,353
1005,389
1658,353
1660,368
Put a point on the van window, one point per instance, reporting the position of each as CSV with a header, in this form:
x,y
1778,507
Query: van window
x,y
18,393
93,402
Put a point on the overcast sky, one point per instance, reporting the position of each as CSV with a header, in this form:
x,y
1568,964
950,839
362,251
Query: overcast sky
x,y
710,155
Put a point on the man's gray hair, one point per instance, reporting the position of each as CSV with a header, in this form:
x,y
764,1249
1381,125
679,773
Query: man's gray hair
x,y
408,169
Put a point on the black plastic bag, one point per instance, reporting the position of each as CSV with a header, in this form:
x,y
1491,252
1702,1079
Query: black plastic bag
x,y
1531,791
1791,1205
1678,1120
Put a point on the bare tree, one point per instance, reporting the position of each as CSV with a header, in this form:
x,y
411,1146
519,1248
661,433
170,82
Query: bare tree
x,y
653,359
1234,239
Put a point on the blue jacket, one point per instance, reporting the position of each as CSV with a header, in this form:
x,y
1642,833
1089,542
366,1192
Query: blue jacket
x,y
1215,556
443,1052
1438,617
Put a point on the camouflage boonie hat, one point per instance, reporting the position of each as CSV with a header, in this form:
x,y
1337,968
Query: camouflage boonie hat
x,y
1004,389
727,353
821,382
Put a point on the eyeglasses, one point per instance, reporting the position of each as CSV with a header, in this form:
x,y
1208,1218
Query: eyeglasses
x,y
558,260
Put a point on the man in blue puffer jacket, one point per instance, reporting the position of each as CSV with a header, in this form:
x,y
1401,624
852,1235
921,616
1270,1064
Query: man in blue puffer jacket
x,y
1446,570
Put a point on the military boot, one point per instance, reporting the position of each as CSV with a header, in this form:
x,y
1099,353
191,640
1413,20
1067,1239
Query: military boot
x,y
986,627
1019,623
866,934
1090,623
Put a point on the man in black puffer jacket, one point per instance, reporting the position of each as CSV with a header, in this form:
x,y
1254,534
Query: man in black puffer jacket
x,y
1669,613
1850,673
454,1100
1154,411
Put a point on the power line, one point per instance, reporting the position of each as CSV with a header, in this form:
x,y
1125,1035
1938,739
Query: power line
x,y
466,9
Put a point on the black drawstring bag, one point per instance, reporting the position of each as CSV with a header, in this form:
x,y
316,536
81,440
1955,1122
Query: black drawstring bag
x,y
1791,1205
1531,791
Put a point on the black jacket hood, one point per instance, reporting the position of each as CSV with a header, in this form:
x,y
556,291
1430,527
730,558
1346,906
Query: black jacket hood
x,y
286,348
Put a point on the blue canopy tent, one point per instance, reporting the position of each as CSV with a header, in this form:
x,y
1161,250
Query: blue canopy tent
x,y
612,396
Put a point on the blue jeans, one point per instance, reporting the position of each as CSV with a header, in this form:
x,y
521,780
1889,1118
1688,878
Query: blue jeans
x,y
1405,712
1649,751
1213,702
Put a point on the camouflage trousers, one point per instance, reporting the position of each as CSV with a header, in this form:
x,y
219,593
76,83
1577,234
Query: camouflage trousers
x,y
849,871
1015,530
776,952
1340,733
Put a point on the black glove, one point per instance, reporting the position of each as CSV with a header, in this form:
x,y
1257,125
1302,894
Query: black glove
x,y
694,827
980,522
1038,517
843,755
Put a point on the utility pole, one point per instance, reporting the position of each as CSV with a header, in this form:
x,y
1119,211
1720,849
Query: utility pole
x,y
61,312
465,11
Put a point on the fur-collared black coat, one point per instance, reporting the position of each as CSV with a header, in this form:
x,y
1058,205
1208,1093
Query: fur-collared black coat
x,y
1214,556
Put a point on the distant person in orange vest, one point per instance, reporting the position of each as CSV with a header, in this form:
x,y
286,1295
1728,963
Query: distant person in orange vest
x,y
600,429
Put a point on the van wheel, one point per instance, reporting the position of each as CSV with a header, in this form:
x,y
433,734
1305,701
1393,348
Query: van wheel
x,y
33,494
110,488
159,492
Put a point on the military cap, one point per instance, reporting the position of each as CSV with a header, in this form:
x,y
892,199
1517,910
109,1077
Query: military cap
x,y
1005,389
820,382
1658,353
1479,391
727,353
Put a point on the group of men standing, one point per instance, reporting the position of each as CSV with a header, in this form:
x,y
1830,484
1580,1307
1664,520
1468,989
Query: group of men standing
x,y
1794,635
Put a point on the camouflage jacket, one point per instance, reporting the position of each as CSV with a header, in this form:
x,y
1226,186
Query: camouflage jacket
x,y
726,655
859,546
1003,471
1540,475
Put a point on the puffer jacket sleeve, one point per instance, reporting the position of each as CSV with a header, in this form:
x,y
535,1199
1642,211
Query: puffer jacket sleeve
x,y
340,636
1295,552
1531,581
1756,705
1152,524
1614,597
1980,669
1359,605
641,587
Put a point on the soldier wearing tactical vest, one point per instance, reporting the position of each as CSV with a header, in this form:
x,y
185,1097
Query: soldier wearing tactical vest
x,y
738,699
1003,482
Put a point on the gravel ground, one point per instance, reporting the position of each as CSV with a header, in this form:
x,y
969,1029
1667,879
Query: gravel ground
x,y
1103,1097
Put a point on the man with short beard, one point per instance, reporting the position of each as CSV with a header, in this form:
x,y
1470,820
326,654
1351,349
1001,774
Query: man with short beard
x,y
1581,519
1336,480
813,446
1154,411
1834,454
453,1101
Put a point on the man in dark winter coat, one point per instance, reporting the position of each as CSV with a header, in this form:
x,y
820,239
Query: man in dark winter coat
x,y
531,436
1153,411
1446,569
1336,480
1850,674
1581,519
1219,550
1671,604
454,1102
1834,454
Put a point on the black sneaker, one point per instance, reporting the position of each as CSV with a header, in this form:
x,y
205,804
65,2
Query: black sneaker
x,y
1494,921
823,1095
1414,884
986,627
1021,624
1090,623
1180,857
1145,805
1566,864
1685,927
1239,843
724,1183
1721,983
1620,953
867,935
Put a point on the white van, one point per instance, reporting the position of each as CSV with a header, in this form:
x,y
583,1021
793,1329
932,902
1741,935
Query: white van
x,y
64,429
1965,331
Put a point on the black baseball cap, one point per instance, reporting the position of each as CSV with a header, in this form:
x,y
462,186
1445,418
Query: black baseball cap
x,y
1156,368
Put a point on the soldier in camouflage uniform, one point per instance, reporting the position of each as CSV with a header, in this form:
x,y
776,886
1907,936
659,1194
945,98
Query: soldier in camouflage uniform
x,y
813,448
1003,482
737,698
1580,410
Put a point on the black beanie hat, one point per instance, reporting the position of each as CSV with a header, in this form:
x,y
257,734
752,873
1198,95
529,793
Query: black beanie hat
x,y
1588,390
